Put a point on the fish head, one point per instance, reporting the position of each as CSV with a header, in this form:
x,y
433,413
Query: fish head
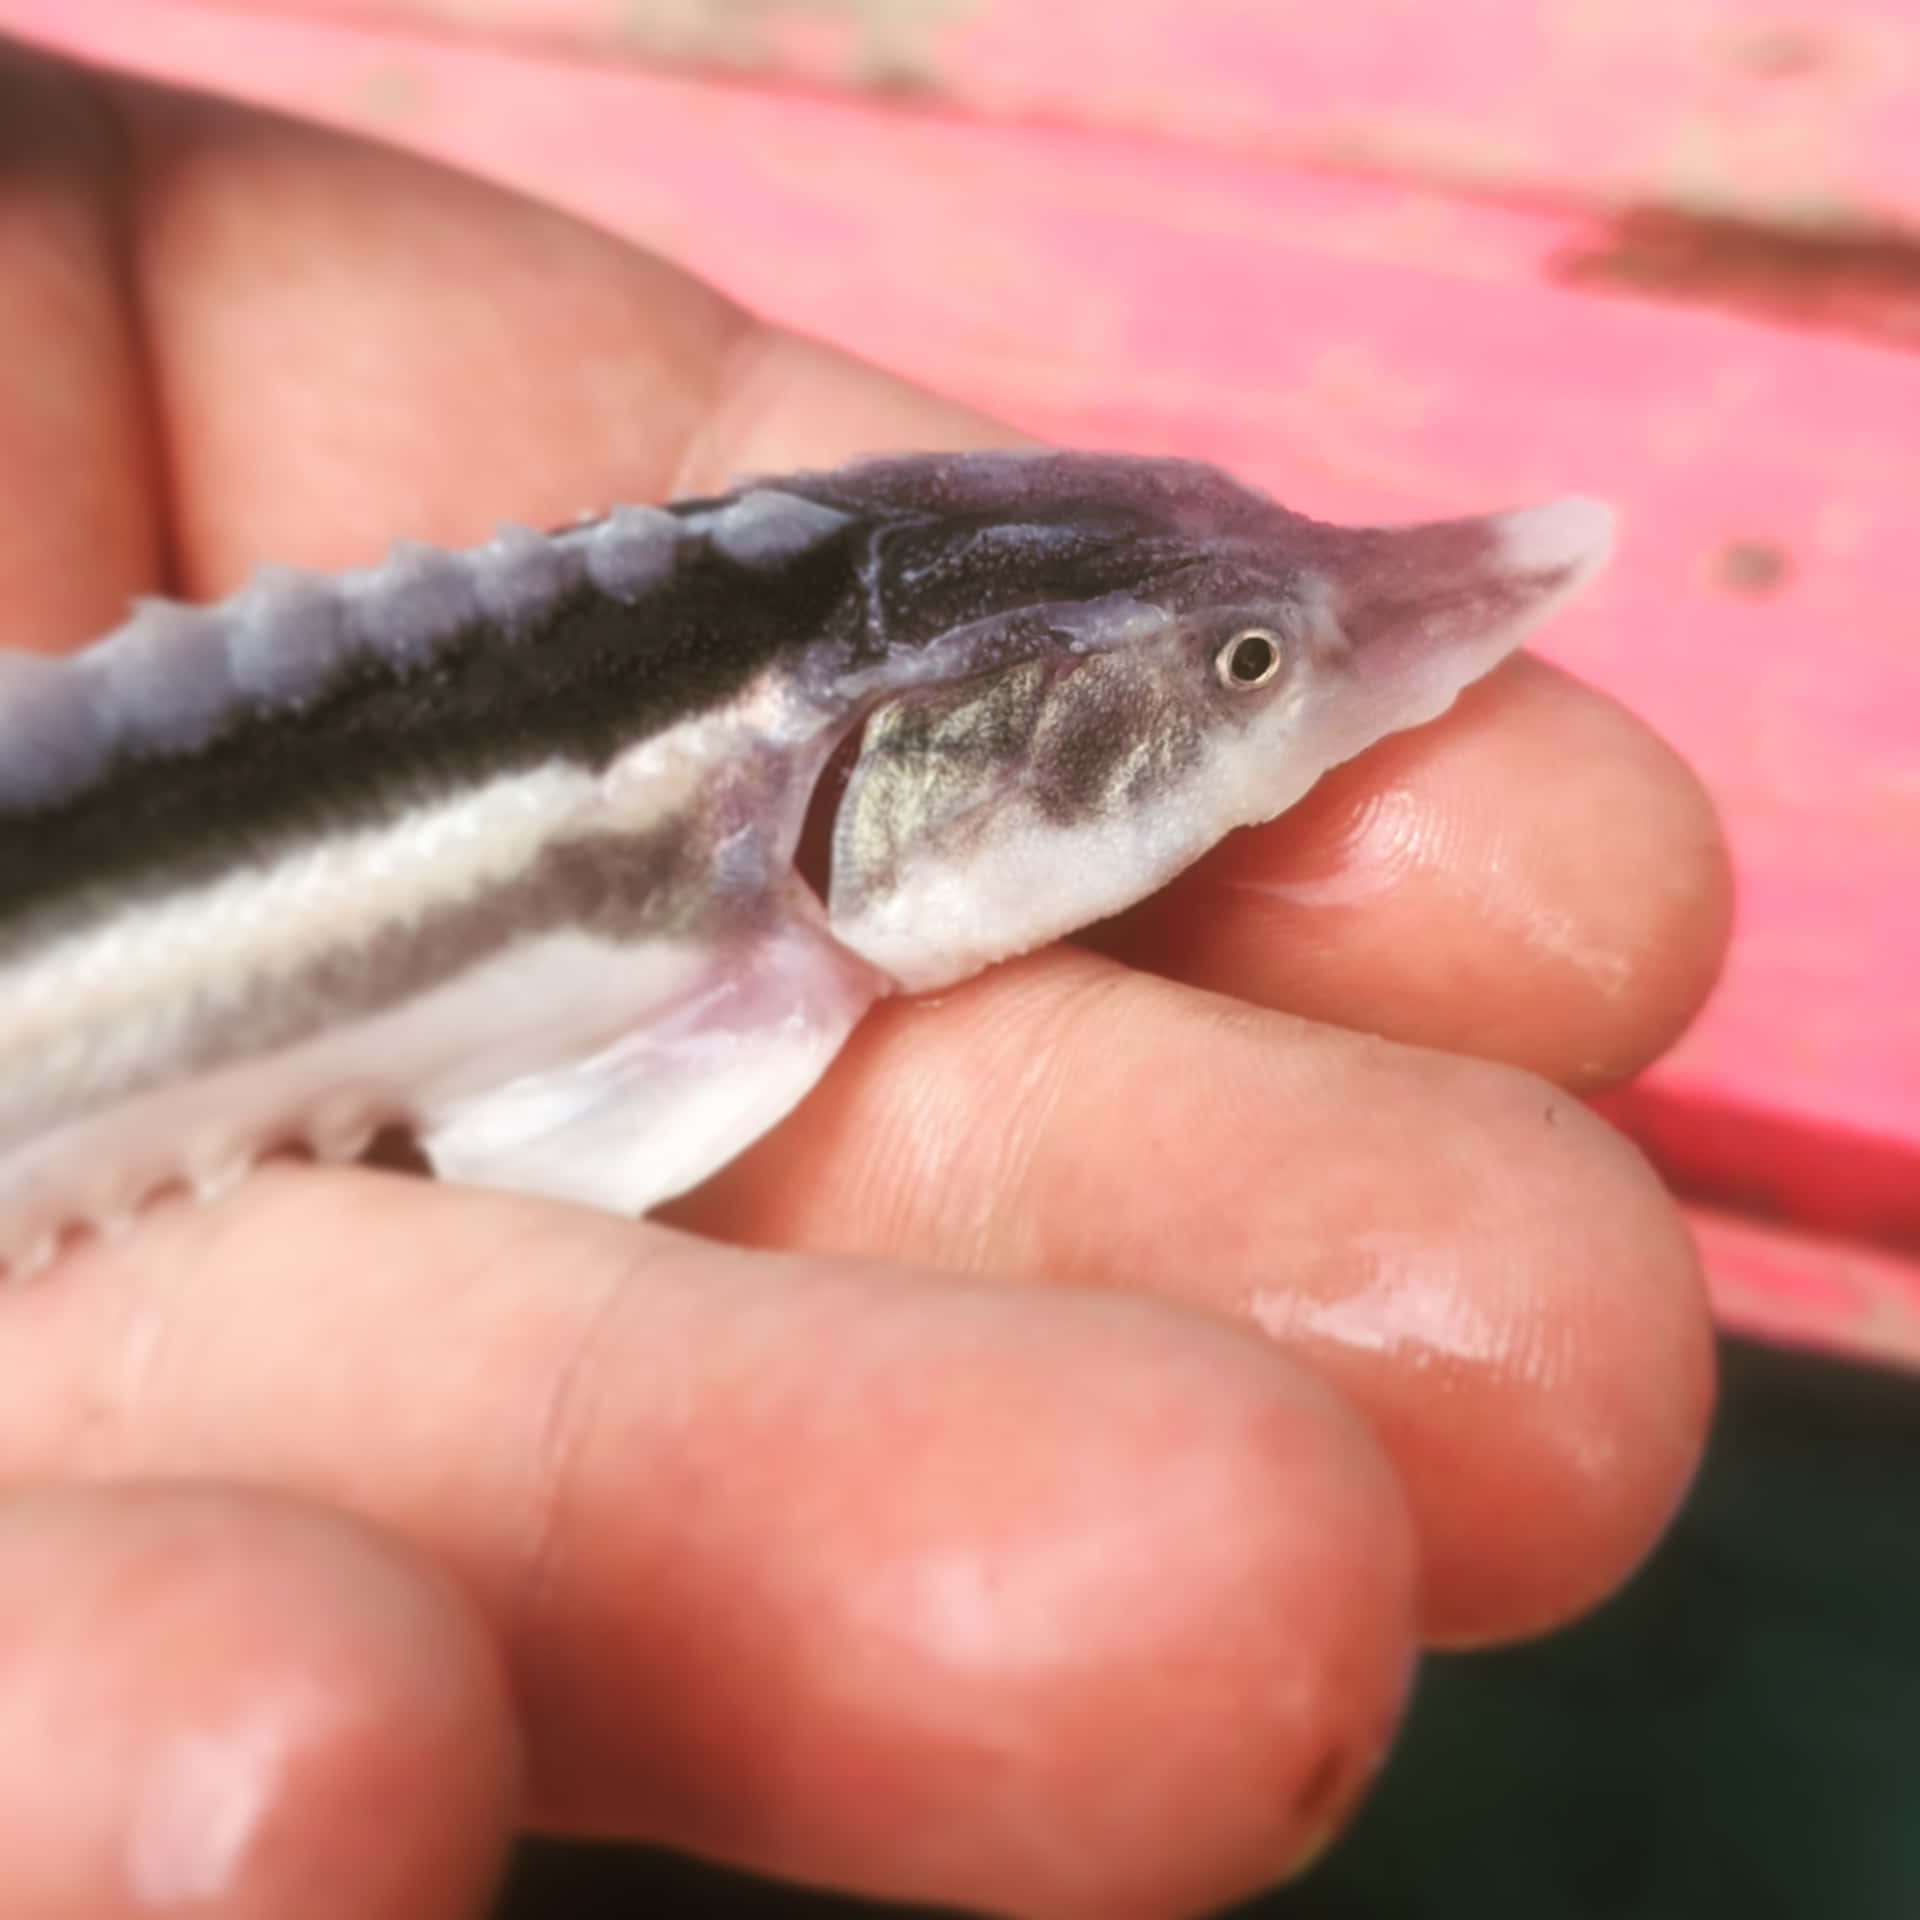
x,y
1192,661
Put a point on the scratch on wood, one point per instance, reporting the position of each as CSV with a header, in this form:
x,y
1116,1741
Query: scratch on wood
x,y
1755,569
1862,280
1779,52
867,43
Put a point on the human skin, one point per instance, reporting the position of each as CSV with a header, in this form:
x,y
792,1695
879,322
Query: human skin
x,y
1022,1481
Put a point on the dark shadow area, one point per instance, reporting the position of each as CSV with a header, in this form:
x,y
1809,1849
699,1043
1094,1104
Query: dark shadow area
x,y
1738,1733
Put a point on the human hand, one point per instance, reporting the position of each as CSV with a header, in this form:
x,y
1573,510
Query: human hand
x,y
1063,1554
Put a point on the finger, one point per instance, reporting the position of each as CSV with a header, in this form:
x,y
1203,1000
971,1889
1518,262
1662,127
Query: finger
x,y
218,1703
1491,1275
1050,1604
76,456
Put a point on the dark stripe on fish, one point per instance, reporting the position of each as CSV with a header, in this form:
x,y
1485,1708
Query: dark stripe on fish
x,y
590,678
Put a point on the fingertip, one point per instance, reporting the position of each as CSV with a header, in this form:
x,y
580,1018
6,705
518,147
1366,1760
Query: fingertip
x,y
1543,1381
240,1706
1305,1603
1634,855
1069,1606
1606,1404
1240,1661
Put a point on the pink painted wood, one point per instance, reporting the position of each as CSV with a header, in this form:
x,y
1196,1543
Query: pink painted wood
x,y
1727,104
1369,347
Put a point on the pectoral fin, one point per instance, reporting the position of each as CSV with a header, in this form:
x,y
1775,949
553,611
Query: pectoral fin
x,y
664,1105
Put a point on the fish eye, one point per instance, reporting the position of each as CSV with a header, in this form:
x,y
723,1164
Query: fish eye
x,y
1249,659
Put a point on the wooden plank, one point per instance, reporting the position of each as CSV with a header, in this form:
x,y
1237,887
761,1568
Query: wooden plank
x,y
1730,105
1364,348
1805,1290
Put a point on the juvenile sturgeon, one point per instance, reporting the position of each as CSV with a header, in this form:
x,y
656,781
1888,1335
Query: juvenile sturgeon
x,y
502,845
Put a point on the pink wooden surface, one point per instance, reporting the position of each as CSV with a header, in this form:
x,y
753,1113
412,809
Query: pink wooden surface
x,y
1375,347
1803,1289
1795,113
